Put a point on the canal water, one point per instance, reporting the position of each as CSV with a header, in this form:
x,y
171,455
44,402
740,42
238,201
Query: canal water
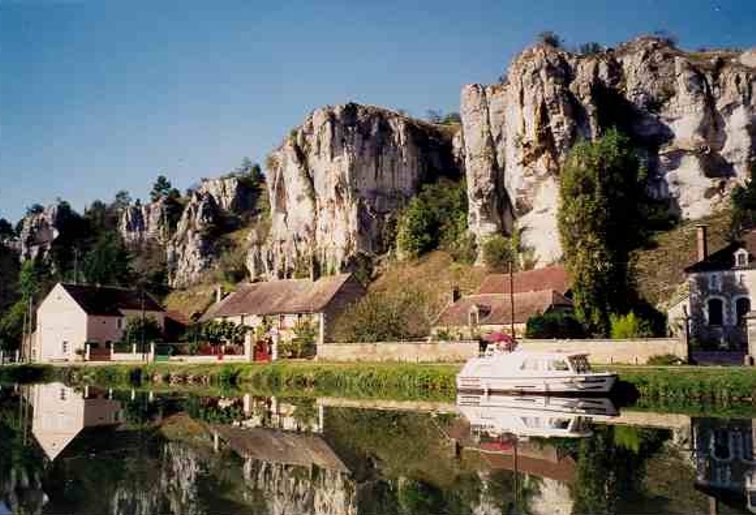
x,y
97,451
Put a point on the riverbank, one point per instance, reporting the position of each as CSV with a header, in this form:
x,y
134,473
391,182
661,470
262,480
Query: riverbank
x,y
674,385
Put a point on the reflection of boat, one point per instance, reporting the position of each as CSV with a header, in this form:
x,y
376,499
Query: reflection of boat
x,y
525,422
750,490
539,372
596,407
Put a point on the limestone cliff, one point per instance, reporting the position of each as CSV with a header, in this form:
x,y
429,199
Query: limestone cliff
x,y
336,184
216,206
691,117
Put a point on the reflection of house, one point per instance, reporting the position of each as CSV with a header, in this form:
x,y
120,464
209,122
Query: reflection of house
x,y
60,413
283,304
72,315
492,307
272,413
725,459
720,286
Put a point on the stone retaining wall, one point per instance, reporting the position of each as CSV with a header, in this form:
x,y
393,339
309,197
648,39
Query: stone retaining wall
x,y
601,351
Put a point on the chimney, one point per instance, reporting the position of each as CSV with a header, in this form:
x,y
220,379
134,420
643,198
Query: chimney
x,y
702,246
455,295
218,293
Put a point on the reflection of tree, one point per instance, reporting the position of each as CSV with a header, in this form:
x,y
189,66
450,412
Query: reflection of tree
x,y
611,466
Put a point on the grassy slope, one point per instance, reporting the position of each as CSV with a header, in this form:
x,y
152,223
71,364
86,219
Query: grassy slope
x,y
433,275
659,269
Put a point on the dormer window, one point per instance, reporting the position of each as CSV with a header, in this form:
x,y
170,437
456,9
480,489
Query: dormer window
x,y
741,257
714,282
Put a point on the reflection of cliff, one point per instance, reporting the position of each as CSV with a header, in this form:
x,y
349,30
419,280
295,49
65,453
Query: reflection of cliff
x,y
291,472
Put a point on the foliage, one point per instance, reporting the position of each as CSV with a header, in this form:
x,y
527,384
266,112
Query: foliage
x,y
435,218
665,359
629,326
743,202
599,191
217,332
303,344
499,252
382,316
554,324
162,188
550,38
108,263
7,230
590,48
142,329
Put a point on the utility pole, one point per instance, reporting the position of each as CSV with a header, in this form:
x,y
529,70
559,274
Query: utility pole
x,y
511,301
141,295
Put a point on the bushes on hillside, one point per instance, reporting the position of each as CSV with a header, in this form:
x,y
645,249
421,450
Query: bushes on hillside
x,y
382,316
435,218
555,324
499,252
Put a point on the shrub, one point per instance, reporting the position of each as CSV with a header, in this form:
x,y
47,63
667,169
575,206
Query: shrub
x,y
303,344
435,218
551,38
629,326
499,252
554,324
665,359
383,317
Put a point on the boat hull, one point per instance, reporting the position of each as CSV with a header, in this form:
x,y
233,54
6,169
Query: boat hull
x,y
575,384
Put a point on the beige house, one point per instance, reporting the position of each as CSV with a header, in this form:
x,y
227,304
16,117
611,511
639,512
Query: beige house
x,y
502,302
283,304
72,315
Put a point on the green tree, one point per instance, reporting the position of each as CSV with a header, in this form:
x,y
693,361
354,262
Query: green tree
x,y
500,252
555,324
551,38
142,329
6,230
743,202
629,326
435,218
108,263
599,191
122,200
162,189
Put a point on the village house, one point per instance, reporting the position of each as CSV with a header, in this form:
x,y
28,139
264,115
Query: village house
x,y
285,304
490,309
74,315
719,293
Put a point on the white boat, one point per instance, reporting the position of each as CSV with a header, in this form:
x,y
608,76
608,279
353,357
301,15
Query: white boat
x,y
538,372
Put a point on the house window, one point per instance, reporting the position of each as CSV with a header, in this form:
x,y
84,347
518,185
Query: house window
x,y
62,394
119,323
742,307
472,317
65,347
714,282
715,311
741,258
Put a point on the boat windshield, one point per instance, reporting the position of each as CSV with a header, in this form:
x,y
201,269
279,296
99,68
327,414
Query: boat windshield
x,y
580,364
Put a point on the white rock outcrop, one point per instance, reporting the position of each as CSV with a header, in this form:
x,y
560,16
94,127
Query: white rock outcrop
x,y
690,115
337,182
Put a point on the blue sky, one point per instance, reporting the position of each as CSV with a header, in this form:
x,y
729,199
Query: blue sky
x,y
102,95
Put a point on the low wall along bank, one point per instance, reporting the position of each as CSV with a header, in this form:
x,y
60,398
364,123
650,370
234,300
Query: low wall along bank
x,y
601,351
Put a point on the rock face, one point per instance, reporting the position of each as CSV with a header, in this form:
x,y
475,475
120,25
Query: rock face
x,y
210,210
191,246
139,224
691,117
40,230
337,182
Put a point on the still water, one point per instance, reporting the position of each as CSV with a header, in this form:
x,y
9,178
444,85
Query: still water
x,y
65,450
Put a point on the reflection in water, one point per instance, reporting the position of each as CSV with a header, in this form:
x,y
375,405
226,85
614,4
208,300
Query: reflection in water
x,y
64,450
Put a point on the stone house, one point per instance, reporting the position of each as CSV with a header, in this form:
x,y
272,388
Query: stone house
x,y
720,287
492,308
283,304
72,315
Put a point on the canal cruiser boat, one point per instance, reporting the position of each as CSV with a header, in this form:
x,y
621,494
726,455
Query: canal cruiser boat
x,y
537,372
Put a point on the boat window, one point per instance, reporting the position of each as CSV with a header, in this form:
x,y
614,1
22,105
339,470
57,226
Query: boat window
x,y
580,364
560,423
559,365
531,364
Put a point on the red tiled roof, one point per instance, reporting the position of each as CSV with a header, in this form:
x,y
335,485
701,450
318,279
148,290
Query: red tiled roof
x,y
549,278
279,297
496,309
